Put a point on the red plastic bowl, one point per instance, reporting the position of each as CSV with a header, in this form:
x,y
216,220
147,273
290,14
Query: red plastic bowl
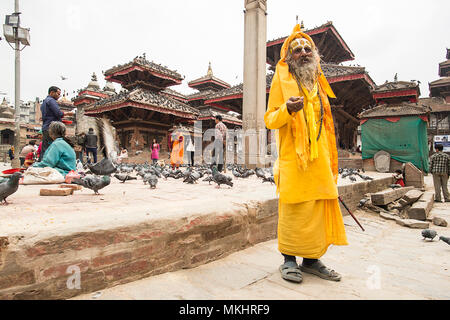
x,y
11,171
67,121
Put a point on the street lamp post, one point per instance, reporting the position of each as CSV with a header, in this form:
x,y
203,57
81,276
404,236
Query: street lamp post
x,y
15,34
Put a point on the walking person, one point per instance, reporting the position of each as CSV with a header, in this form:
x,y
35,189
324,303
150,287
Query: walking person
x,y
50,112
440,168
219,142
190,148
11,153
176,156
306,171
155,151
80,146
91,145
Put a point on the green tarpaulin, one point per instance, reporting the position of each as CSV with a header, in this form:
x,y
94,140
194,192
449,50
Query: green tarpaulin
x,y
406,140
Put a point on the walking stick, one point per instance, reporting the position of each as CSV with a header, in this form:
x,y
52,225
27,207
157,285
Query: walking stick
x,y
354,218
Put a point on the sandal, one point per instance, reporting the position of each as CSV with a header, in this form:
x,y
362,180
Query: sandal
x,y
320,270
291,273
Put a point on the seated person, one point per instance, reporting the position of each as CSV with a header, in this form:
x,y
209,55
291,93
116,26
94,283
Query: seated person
x,y
398,176
60,154
29,160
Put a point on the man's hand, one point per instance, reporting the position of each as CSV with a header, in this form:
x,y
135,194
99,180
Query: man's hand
x,y
294,104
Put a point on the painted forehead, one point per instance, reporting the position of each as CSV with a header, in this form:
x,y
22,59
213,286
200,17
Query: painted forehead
x,y
300,43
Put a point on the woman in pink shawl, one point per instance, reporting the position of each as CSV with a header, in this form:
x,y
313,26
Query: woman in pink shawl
x,y
155,151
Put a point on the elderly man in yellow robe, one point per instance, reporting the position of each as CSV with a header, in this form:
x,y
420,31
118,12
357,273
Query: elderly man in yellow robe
x,y
306,171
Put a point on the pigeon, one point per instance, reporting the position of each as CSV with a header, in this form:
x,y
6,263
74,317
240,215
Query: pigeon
x,y
364,177
146,177
221,178
429,234
193,177
103,167
124,177
165,174
352,178
363,202
269,179
209,179
94,183
10,186
152,181
260,173
445,239
236,173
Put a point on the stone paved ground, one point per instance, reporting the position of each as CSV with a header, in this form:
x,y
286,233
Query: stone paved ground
x,y
385,262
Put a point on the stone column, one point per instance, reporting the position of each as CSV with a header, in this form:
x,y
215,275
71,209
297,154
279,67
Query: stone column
x,y
254,99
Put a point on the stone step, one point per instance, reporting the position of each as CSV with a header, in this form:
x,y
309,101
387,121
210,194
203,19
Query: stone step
x,y
422,207
386,196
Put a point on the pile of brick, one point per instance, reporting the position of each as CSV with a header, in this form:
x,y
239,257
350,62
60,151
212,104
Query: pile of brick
x,y
408,206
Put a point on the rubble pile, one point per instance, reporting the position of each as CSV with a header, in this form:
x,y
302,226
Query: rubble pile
x,y
408,206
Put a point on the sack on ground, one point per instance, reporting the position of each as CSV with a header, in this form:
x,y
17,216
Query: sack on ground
x,y
45,175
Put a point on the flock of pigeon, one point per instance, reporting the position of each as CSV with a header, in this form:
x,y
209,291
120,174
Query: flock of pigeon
x,y
353,173
98,176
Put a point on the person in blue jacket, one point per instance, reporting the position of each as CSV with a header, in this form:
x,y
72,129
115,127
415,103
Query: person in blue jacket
x,y
50,112
60,154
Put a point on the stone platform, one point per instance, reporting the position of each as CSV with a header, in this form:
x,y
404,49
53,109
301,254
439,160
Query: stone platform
x,y
130,232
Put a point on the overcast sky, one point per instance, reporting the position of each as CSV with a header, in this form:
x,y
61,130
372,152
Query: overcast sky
x,y
76,38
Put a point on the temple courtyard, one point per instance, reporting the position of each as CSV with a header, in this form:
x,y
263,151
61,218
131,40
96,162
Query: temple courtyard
x,y
182,241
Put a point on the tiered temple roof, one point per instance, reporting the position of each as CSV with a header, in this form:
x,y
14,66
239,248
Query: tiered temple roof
x,y
437,104
208,82
143,73
175,95
91,93
396,110
143,99
331,45
397,91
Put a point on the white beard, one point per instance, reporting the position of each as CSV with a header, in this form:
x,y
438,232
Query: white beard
x,y
305,73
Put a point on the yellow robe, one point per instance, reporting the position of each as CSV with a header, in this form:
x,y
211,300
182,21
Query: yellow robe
x,y
309,214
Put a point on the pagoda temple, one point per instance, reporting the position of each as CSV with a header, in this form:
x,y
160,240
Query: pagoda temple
x,y
145,109
207,86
